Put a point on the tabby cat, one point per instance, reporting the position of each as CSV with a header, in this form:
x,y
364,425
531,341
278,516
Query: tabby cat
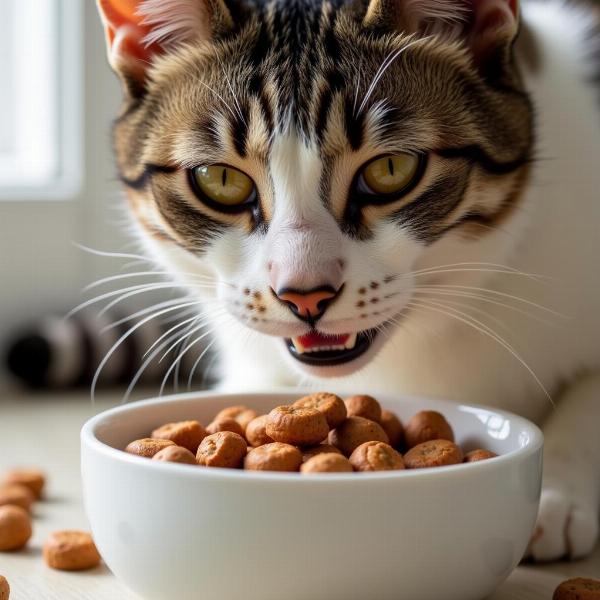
x,y
403,195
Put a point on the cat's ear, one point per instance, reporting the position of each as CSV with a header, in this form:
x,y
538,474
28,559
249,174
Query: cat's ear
x,y
138,30
484,25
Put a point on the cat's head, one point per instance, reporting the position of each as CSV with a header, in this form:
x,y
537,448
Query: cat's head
x,y
325,162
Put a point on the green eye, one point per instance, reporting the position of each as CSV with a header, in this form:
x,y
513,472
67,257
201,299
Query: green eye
x,y
223,185
391,174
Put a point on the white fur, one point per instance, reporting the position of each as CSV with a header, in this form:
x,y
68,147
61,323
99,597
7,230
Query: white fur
x,y
554,234
174,22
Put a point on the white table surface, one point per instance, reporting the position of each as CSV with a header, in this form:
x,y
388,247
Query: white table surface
x,y
43,431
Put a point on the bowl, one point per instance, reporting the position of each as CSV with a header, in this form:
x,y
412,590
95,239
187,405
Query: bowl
x,y
172,531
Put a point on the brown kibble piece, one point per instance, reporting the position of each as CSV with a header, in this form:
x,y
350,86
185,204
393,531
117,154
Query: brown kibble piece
x,y
223,449
225,424
434,453
148,447
579,588
242,414
308,453
15,527
176,454
71,551
393,427
256,432
479,454
297,426
355,431
376,456
274,457
4,588
332,406
188,434
327,462
34,479
425,426
17,495
363,406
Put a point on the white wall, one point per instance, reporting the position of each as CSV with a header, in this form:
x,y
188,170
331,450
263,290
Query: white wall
x,y
40,269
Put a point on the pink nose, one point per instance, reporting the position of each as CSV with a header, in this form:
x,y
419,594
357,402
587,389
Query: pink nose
x,y
308,305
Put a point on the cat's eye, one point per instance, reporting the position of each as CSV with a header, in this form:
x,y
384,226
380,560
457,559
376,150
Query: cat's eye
x,y
393,174
223,187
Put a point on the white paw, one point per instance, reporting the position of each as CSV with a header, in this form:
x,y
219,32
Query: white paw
x,y
565,528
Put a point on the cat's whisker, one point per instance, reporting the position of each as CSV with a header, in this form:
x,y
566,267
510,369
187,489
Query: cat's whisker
x,y
181,355
141,313
219,97
501,268
197,362
482,298
469,288
484,329
179,325
104,280
385,65
113,348
237,104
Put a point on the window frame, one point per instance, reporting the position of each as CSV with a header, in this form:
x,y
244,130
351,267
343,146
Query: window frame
x,y
66,97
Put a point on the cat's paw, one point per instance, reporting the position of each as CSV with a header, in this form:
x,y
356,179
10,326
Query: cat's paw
x,y
566,527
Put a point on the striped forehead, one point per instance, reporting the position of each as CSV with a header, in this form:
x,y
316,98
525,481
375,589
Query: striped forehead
x,y
296,173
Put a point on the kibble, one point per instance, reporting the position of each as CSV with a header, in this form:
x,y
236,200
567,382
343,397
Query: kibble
x,y
188,434
297,426
16,494
148,447
332,406
225,424
71,551
355,431
15,527
274,457
308,453
392,426
34,479
425,426
223,449
434,453
376,456
327,462
4,588
242,414
364,406
176,454
256,432
479,454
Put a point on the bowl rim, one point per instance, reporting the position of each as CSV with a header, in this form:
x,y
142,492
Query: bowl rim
x,y
90,440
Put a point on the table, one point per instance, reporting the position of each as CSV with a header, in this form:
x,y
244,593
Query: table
x,y
43,431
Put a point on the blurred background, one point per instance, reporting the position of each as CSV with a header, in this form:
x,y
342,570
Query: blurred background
x,y
58,190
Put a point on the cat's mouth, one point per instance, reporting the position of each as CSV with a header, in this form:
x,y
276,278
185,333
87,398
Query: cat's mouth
x,y
321,350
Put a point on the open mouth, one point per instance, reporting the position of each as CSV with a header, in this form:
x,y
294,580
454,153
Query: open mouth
x,y
322,350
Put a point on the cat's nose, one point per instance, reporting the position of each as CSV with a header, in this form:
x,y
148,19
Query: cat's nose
x,y
309,305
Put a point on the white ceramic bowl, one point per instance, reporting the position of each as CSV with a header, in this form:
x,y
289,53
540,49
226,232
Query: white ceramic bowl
x,y
179,532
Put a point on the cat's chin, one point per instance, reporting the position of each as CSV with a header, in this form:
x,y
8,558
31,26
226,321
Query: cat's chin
x,y
336,363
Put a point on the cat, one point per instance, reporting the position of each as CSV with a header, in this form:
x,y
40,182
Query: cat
x,y
393,196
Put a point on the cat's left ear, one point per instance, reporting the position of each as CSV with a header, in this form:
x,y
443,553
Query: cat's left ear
x,y
484,25
139,30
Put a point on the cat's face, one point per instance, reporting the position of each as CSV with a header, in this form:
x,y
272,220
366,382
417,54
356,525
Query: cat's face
x,y
311,156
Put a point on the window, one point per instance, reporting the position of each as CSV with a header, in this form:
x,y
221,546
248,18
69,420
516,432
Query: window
x,y
40,99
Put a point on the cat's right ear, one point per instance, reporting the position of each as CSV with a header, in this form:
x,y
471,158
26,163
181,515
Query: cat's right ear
x,y
139,30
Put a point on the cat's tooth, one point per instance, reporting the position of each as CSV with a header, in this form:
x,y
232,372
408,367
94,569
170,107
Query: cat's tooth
x,y
300,349
351,341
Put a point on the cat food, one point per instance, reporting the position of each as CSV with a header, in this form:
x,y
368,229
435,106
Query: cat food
x,y
479,454
223,449
225,424
355,431
148,447
15,527
332,407
434,453
318,433
363,406
326,462
4,588
425,426
274,457
34,479
177,454
242,414
579,588
71,551
376,456
392,426
308,453
188,434
16,494
256,432
297,426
